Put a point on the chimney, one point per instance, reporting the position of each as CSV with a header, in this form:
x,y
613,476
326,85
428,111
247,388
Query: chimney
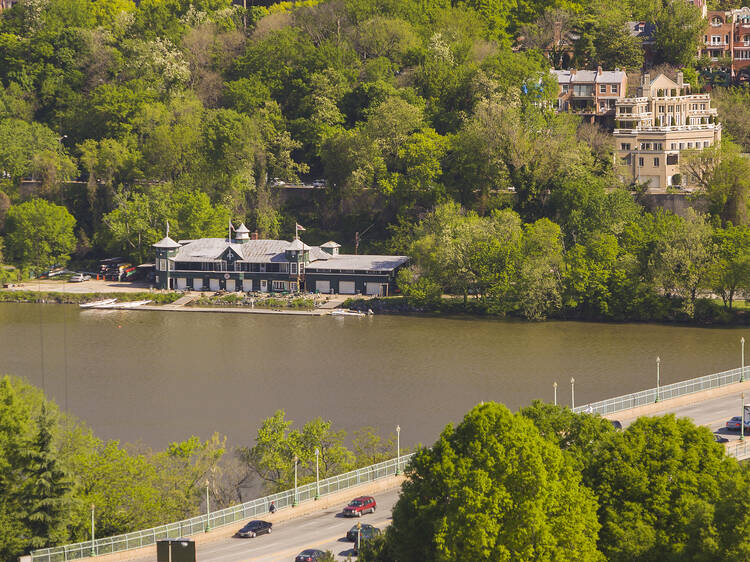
x,y
557,33
599,70
680,79
572,71
646,81
254,235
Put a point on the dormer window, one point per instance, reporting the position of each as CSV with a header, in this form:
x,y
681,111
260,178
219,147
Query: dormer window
x,y
716,21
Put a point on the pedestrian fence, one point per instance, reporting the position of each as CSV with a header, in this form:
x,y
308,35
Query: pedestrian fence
x,y
644,397
220,518
739,450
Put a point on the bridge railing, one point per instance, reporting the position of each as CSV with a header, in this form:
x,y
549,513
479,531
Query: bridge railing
x,y
739,449
220,518
644,397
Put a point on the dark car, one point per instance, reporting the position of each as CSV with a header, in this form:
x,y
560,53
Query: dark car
x,y
368,532
351,534
255,528
734,423
309,555
617,424
359,506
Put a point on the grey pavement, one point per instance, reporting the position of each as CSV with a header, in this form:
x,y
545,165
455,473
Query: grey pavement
x,y
712,413
323,530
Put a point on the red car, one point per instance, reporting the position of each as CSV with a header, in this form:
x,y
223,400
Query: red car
x,y
359,506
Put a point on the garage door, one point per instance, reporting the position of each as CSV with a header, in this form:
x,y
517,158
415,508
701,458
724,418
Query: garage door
x,y
323,287
197,284
213,284
374,289
230,285
181,283
346,287
247,285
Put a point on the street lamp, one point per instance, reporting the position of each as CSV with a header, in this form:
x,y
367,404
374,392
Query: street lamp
x,y
742,418
554,385
317,475
742,371
93,552
294,501
572,393
398,449
658,363
208,510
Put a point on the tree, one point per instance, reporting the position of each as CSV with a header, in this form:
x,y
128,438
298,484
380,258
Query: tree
x,y
45,496
493,489
39,234
658,483
723,175
538,281
679,28
683,258
731,270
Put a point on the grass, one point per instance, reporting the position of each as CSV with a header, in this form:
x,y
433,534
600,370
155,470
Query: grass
x,y
80,298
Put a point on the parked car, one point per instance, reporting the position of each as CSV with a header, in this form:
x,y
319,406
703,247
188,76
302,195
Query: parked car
x,y
720,438
309,555
319,183
367,532
79,278
276,182
359,506
351,534
255,528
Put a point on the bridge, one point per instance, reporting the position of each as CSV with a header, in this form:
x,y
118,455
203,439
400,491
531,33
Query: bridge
x,y
308,516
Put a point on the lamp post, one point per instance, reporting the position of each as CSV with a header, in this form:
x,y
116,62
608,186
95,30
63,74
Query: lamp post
x,y
208,510
398,449
294,501
742,370
742,418
317,474
572,393
658,363
93,550
554,385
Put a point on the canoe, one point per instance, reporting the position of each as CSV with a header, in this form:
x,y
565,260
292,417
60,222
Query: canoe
x,y
97,304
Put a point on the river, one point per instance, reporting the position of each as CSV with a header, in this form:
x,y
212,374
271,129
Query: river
x,y
157,377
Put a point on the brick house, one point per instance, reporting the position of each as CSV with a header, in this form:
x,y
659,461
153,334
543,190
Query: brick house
x,y
727,36
590,93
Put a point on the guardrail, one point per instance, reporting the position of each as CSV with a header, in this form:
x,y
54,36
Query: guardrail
x,y
739,450
628,401
227,516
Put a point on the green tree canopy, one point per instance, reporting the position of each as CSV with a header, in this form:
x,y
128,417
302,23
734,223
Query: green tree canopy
x,y
39,234
493,488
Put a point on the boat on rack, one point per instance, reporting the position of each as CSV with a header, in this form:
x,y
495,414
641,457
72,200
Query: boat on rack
x,y
98,304
344,312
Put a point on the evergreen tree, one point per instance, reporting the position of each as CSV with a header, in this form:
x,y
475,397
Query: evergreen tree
x,y
46,489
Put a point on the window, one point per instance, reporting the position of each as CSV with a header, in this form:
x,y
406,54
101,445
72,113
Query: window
x,y
625,146
602,88
293,268
673,146
746,39
640,162
614,88
656,162
682,145
283,267
706,144
716,39
690,145
672,159
716,21
301,268
278,285
565,88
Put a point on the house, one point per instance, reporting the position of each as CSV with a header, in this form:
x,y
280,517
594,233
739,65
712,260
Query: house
x,y
652,128
727,38
246,263
590,93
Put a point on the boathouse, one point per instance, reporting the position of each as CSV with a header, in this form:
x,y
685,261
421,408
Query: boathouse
x,y
245,263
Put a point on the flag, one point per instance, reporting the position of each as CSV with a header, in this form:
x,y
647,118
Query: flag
x,y
231,227
167,229
298,226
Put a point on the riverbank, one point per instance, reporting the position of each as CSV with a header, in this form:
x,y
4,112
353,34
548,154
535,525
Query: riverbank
x,y
708,312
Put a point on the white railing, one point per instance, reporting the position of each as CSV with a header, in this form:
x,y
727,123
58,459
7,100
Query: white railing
x,y
228,516
740,450
650,396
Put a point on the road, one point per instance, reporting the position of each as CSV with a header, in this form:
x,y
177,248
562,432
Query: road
x,y
712,413
323,530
